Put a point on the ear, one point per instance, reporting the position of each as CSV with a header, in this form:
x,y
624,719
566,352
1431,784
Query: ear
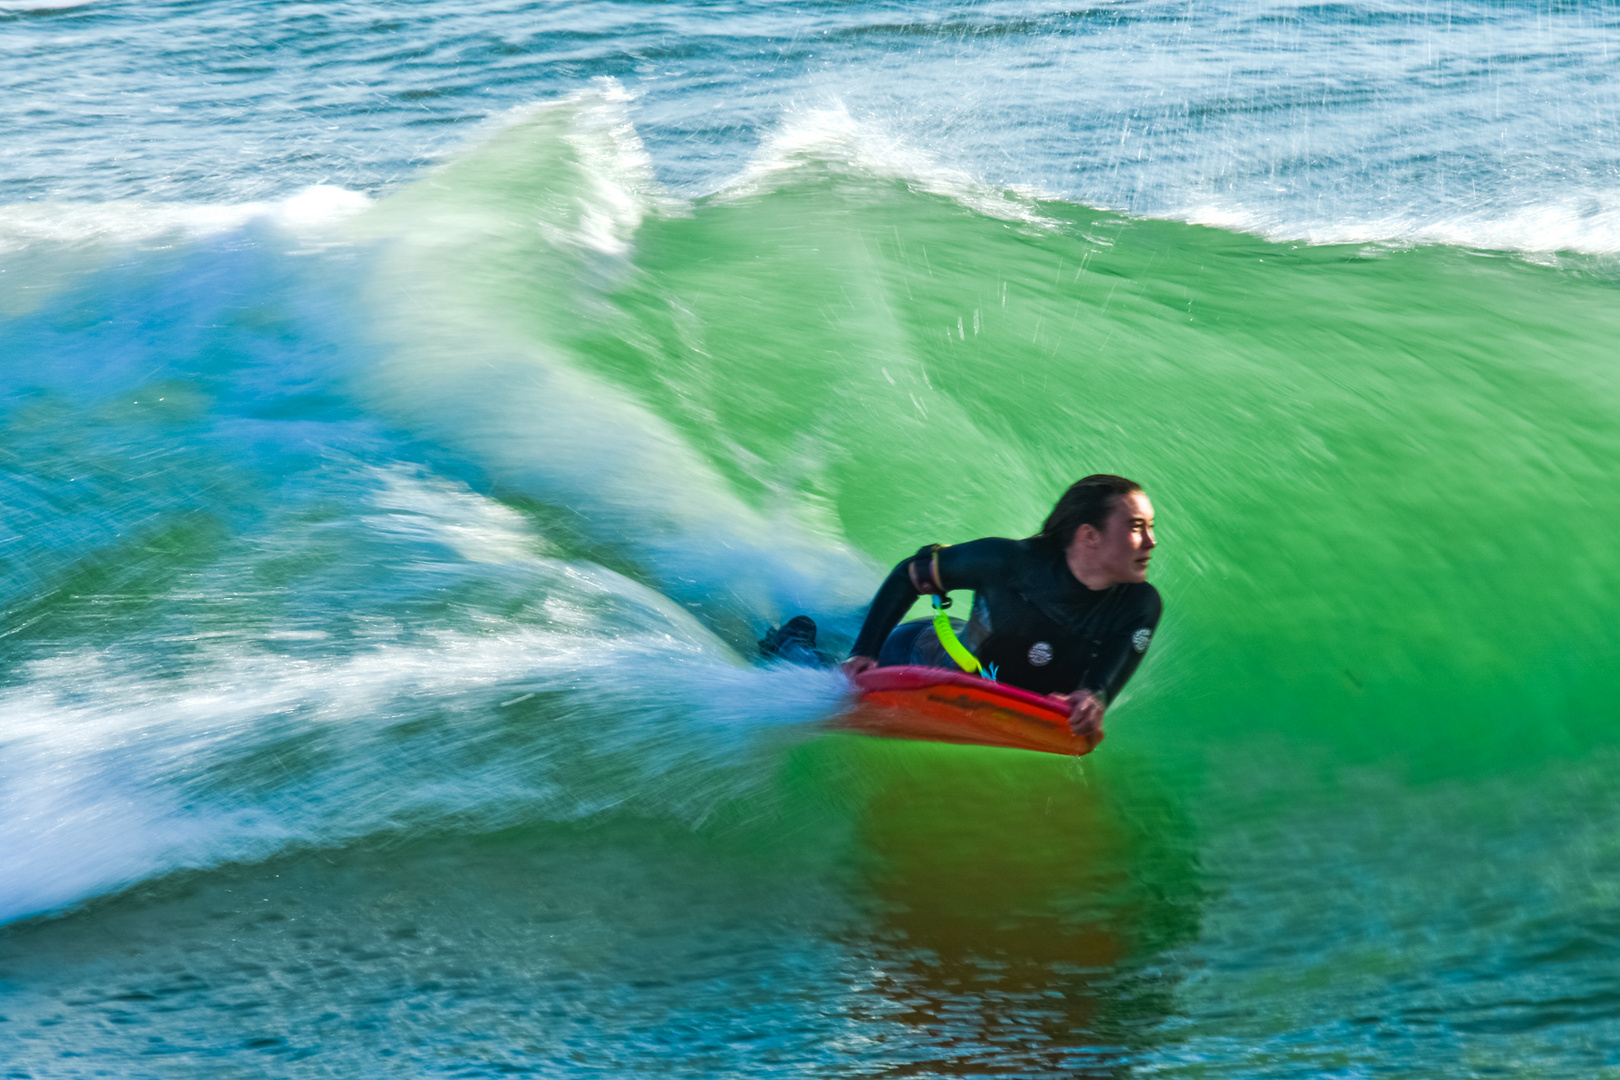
x,y
1087,534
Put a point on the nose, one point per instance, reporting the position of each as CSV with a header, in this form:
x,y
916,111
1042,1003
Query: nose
x,y
1148,542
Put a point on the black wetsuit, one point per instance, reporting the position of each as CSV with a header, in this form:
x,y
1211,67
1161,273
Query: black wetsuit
x,y
1032,619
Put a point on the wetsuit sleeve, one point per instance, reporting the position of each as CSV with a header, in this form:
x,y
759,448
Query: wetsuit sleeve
x,y
963,566
1122,651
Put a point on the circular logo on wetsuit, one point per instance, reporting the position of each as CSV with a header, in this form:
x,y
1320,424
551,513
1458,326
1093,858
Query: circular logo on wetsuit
x,y
1040,653
1140,639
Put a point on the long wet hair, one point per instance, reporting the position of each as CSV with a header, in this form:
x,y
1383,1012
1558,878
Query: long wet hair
x,y
1088,501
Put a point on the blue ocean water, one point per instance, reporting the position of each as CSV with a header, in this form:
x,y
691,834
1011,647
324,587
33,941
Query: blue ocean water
x,y
410,415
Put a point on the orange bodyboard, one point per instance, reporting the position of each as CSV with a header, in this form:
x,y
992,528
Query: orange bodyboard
x,y
939,705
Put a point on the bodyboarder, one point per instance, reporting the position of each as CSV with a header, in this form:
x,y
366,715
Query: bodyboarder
x,y
1067,612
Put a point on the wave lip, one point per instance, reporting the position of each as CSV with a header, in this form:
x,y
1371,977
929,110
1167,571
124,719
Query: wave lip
x,y
491,260
833,135
1583,224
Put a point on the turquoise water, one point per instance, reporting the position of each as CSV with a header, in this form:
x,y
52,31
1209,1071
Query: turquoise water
x,y
411,416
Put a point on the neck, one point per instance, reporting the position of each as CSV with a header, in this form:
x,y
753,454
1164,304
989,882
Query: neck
x,y
1085,572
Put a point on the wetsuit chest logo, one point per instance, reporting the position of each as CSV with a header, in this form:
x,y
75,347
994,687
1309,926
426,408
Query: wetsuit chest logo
x,y
1040,654
1140,639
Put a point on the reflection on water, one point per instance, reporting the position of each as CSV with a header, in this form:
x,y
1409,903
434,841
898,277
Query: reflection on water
x,y
1017,908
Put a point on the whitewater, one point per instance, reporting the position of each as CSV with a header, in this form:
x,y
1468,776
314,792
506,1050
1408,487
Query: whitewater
x,y
410,417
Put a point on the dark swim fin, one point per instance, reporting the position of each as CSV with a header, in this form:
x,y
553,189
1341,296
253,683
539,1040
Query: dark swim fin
x,y
795,642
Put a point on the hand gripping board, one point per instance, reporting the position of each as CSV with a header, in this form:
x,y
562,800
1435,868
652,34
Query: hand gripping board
x,y
951,706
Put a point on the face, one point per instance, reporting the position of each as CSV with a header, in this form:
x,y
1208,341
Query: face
x,y
1120,552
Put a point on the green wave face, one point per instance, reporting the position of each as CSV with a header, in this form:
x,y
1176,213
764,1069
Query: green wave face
x,y
1364,759
1381,480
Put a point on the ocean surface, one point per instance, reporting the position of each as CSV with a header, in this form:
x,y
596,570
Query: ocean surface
x,y
411,414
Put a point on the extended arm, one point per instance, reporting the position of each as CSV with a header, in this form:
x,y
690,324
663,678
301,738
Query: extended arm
x,y
932,570
1116,662
894,598
1119,659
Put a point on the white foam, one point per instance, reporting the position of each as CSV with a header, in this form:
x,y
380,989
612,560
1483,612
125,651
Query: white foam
x,y
618,187
486,259
831,134
115,775
316,207
1587,224
114,770
620,174
412,505
58,224
542,426
479,530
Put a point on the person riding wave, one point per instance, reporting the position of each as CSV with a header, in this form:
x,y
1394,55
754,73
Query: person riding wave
x,y
1066,612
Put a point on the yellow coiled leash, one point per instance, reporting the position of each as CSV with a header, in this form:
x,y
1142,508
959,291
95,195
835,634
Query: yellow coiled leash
x,y
953,645
942,625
